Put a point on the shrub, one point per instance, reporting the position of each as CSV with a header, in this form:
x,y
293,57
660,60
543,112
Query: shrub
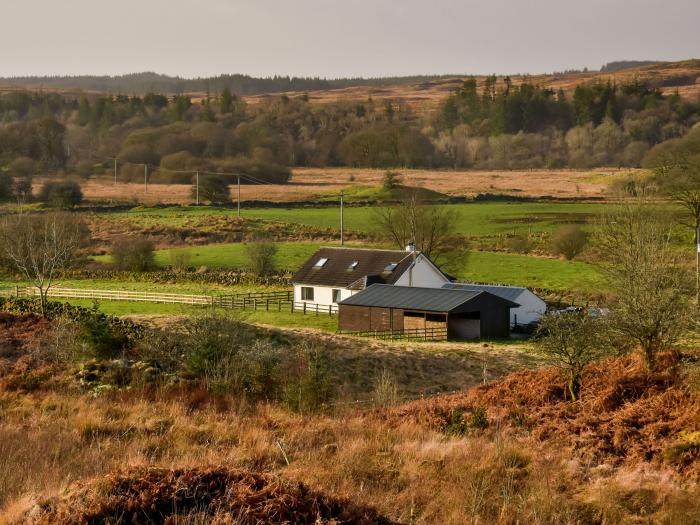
x,y
569,241
261,257
101,337
61,194
390,180
312,382
134,255
212,188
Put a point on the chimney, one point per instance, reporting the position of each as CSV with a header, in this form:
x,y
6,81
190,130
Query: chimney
x,y
411,247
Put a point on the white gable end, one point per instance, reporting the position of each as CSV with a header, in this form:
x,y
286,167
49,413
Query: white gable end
x,y
422,273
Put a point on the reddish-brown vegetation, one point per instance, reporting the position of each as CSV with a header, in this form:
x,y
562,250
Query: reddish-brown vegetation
x,y
626,415
207,495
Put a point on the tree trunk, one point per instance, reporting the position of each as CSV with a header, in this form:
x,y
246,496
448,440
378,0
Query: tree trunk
x,y
42,301
574,385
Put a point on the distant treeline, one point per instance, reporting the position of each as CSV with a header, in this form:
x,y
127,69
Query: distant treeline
x,y
142,83
498,125
619,65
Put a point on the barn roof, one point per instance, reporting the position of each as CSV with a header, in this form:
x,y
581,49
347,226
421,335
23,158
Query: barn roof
x,y
425,299
346,267
510,293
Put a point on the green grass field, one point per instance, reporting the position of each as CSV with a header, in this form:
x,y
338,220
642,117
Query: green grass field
x,y
478,266
472,219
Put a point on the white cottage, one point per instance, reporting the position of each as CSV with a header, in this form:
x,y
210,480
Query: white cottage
x,y
531,308
334,274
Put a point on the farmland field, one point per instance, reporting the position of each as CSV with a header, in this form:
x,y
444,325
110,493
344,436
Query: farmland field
x,y
313,184
472,219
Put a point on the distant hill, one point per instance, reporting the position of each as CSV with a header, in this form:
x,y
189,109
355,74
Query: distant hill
x,y
619,65
422,93
141,83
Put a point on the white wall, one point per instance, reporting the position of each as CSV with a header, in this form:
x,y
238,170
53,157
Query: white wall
x,y
322,294
422,274
531,308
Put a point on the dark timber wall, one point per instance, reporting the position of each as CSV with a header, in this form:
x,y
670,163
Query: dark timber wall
x,y
492,313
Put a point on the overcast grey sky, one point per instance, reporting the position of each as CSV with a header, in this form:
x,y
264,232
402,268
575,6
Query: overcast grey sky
x,y
338,38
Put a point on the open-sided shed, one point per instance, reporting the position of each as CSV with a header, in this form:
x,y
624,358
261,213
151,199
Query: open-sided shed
x,y
459,314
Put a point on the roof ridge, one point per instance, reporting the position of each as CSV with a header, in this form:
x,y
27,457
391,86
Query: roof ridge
x,y
365,249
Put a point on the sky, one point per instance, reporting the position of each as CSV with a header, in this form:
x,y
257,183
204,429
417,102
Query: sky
x,y
339,38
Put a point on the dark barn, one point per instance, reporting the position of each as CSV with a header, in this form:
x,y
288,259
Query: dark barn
x,y
439,312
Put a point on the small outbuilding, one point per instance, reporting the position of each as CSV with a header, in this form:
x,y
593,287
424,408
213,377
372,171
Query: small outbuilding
x,y
438,313
530,310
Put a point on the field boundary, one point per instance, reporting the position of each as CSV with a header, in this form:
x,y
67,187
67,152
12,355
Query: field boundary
x,y
256,301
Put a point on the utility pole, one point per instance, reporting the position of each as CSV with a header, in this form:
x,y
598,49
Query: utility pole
x,y
197,176
697,267
238,198
145,178
115,171
342,219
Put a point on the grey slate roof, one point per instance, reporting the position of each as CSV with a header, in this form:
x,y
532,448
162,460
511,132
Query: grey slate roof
x,y
337,272
510,293
415,298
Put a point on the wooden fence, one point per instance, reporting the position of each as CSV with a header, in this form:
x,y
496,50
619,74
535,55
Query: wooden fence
x,y
119,295
409,334
256,301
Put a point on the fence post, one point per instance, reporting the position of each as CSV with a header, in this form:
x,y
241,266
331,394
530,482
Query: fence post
x,y
17,291
304,308
255,305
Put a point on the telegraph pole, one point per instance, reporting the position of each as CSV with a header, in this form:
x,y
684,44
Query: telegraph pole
x,y
342,219
238,198
145,178
115,171
197,175
697,266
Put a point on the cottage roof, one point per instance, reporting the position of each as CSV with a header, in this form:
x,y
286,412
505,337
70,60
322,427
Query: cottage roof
x,y
442,300
510,293
353,267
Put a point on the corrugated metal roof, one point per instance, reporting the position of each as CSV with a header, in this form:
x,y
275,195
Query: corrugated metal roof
x,y
510,293
411,298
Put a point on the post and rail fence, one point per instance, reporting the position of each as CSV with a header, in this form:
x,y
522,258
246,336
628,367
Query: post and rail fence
x,y
407,334
257,301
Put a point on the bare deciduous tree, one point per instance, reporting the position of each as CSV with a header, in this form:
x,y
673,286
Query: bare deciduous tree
x,y
571,340
651,309
429,227
40,245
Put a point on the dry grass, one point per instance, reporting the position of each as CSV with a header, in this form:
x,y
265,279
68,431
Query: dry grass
x,y
409,469
309,184
410,474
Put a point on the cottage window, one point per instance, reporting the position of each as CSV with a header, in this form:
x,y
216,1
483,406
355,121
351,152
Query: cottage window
x,y
307,293
390,267
321,263
336,296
